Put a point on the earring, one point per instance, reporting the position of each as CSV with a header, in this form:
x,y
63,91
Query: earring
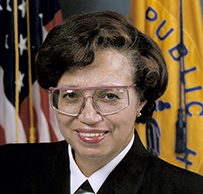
x,y
139,114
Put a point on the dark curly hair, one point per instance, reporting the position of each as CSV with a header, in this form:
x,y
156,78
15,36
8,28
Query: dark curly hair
x,y
72,44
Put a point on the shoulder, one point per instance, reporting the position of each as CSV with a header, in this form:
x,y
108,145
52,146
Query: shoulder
x,y
26,153
24,147
157,175
174,178
33,166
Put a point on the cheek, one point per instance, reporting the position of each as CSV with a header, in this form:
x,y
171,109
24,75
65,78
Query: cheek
x,y
63,123
59,119
129,116
63,119
124,121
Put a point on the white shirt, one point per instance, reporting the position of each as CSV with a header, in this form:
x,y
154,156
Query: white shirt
x,y
97,179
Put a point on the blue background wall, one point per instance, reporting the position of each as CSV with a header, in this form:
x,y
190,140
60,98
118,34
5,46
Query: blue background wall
x,y
70,7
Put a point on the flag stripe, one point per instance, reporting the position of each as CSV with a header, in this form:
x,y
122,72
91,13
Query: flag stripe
x,y
7,118
56,20
2,136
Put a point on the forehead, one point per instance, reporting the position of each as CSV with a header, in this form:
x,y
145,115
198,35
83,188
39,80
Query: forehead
x,y
109,67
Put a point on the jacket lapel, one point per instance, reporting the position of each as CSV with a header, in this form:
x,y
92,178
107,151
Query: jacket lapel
x,y
128,175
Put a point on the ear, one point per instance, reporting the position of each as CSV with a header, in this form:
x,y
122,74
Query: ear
x,y
141,106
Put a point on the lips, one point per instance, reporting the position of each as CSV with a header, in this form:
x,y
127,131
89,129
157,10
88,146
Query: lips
x,y
91,137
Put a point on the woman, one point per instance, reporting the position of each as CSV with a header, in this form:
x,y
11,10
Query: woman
x,y
104,76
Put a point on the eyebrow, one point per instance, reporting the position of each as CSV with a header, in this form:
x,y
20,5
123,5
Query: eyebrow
x,y
89,88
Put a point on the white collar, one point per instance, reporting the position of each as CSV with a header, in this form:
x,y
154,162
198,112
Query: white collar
x,y
97,179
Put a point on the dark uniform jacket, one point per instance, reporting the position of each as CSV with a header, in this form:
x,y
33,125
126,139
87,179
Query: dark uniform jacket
x,y
44,168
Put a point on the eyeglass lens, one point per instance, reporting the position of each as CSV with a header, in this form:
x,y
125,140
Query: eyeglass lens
x,y
106,101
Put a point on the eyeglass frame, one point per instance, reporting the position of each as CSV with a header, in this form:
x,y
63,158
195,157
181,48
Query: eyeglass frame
x,y
51,89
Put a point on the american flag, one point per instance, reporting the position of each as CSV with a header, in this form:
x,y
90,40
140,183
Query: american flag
x,y
25,113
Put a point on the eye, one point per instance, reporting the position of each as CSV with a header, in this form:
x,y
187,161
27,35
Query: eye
x,y
106,96
111,96
70,95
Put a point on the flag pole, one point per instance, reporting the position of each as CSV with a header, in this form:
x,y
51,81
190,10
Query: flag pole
x,y
16,68
32,128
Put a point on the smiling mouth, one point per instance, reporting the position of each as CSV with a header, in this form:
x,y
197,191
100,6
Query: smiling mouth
x,y
92,134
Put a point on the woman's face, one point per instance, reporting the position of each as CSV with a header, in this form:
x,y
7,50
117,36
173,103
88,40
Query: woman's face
x,y
110,68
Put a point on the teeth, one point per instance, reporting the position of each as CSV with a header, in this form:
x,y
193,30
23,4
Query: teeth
x,y
91,134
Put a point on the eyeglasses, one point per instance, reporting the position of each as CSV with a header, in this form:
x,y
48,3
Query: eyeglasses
x,y
106,99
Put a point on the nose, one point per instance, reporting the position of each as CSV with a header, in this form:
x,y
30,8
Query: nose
x,y
88,114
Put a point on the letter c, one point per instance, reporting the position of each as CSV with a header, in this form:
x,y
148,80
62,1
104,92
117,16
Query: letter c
x,y
194,103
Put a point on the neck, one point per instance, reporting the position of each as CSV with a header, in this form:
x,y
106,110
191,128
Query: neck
x,y
89,166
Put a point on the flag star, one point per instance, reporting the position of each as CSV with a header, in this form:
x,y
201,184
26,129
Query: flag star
x,y
20,81
44,32
40,15
6,41
1,8
22,7
22,45
8,7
